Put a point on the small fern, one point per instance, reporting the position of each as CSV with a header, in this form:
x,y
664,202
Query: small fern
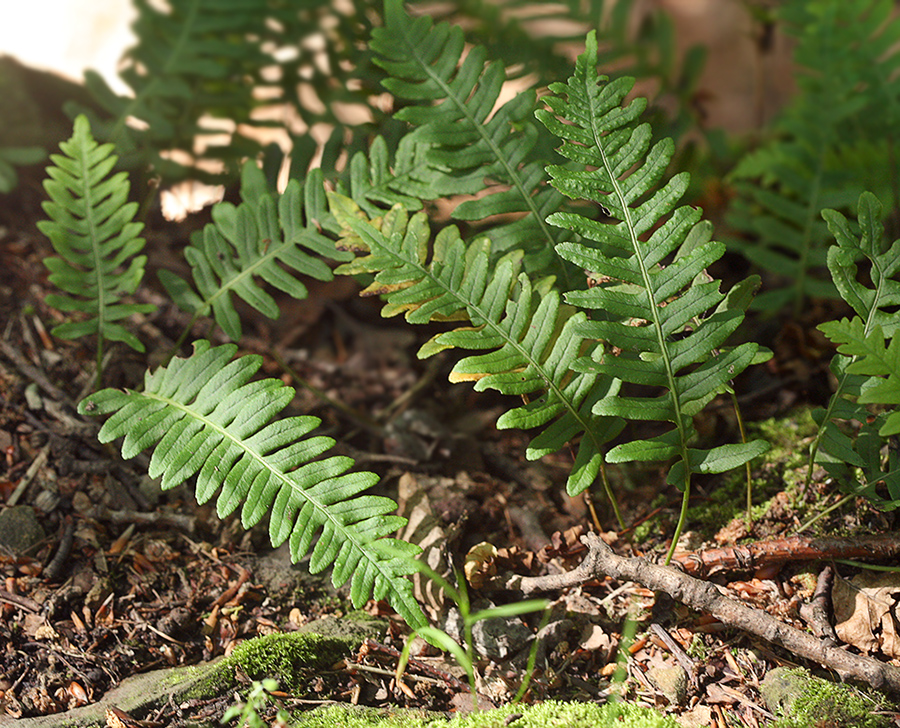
x,y
867,367
91,227
666,322
257,239
531,336
203,416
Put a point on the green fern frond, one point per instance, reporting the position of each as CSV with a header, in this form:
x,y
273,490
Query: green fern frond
x,y
91,227
668,321
867,369
849,96
257,239
203,416
530,335
474,148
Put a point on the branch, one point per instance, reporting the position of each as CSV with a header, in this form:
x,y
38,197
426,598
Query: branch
x,y
706,597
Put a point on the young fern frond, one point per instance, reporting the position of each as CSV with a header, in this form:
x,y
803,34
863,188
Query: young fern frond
x,y
91,227
867,369
654,314
258,238
531,337
203,416
474,148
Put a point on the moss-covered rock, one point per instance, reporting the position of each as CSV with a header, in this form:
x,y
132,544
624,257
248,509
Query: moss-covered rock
x,y
801,700
288,658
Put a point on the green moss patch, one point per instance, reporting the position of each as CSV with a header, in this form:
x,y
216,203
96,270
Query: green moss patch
x,y
550,714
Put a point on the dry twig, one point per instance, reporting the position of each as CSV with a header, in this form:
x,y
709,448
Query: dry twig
x,y
707,597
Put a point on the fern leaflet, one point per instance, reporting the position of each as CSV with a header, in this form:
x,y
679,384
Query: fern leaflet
x,y
255,239
202,415
654,314
531,334
91,226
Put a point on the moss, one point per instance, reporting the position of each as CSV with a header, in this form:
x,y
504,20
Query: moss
x,y
545,715
288,658
801,700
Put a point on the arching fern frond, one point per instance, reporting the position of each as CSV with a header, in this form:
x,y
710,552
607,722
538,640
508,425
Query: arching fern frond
x,y
666,322
529,336
91,226
203,416
260,238
474,148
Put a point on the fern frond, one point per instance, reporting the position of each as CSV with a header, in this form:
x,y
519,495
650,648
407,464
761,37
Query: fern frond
x,y
866,367
474,148
849,96
91,226
655,314
257,239
529,336
203,416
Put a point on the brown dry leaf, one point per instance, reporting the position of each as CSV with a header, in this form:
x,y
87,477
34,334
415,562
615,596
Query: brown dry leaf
x,y
865,609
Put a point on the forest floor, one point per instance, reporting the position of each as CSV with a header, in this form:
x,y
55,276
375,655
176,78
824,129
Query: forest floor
x,y
104,576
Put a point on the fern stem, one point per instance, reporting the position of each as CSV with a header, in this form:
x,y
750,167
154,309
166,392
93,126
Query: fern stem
x,y
682,516
824,513
743,431
607,488
652,308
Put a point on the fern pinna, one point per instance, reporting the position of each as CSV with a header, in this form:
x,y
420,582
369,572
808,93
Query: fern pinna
x,y
203,416
531,335
92,228
661,322
867,366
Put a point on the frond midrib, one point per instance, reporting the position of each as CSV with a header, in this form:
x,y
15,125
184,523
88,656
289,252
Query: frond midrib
x,y
654,309
90,217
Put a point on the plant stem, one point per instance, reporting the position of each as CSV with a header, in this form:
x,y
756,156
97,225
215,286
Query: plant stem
x,y
682,517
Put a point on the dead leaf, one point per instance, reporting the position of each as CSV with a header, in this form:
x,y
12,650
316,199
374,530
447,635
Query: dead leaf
x,y
865,609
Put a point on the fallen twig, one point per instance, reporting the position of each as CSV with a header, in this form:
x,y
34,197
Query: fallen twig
x,y
707,597
781,550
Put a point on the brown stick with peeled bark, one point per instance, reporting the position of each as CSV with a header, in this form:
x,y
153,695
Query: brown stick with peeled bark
x,y
706,597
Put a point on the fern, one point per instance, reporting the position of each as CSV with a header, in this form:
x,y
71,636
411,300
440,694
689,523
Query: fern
x,y
91,227
654,314
257,238
473,148
849,95
203,416
530,334
867,368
